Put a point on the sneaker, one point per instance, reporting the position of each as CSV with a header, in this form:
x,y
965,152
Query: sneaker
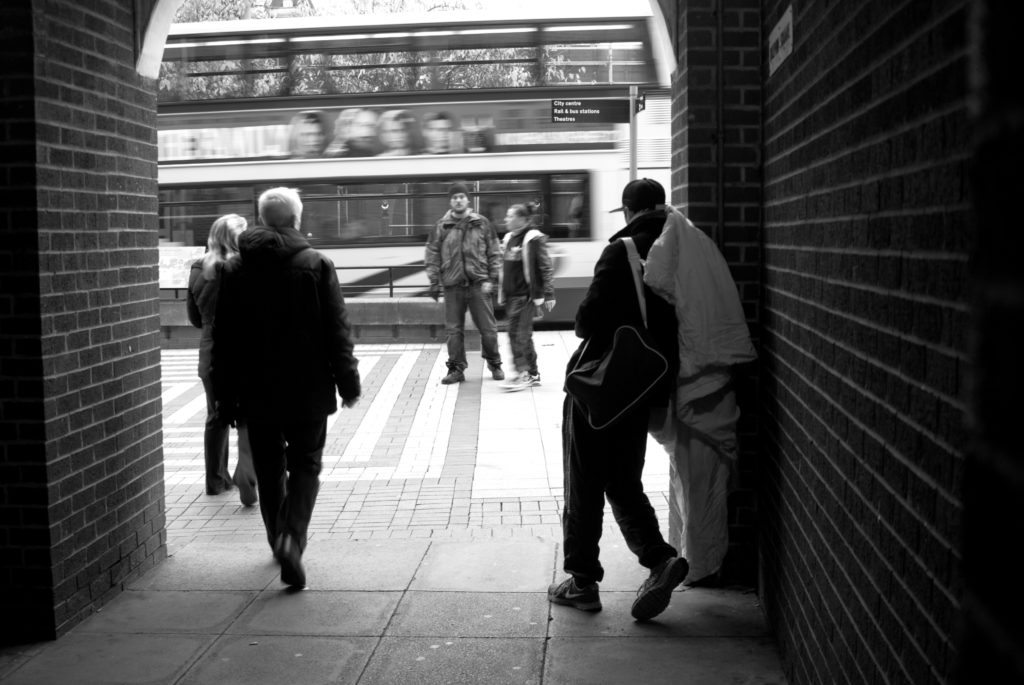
x,y
568,594
454,376
497,374
654,594
288,555
520,381
534,379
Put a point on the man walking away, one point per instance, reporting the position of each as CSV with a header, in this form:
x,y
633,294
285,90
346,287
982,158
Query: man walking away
x,y
281,351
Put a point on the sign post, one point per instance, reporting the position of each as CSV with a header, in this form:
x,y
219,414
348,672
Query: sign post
x,y
603,111
632,133
597,111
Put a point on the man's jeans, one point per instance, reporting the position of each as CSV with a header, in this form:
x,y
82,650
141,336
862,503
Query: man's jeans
x,y
457,299
520,310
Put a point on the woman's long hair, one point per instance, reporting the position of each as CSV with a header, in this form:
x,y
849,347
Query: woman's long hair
x,y
222,244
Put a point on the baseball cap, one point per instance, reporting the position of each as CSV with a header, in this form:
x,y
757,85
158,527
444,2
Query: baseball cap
x,y
641,193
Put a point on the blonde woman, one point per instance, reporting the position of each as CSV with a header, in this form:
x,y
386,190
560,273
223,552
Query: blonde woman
x,y
203,285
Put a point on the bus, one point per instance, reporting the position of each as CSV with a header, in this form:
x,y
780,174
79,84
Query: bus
x,y
373,163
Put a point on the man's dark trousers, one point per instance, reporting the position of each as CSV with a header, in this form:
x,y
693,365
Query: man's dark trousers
x,y
288,458
604,462
457,300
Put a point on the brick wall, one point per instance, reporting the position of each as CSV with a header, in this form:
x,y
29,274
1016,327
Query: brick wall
x,y
864,322
716,138
82,504
992,648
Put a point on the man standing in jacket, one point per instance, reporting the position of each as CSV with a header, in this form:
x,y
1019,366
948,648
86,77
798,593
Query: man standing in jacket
x,y
463,257
600,463
282,353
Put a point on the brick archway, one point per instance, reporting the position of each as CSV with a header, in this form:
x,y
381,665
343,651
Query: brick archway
x,y
81,475
154,36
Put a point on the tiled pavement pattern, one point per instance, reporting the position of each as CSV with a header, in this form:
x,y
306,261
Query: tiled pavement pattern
x,y
414,459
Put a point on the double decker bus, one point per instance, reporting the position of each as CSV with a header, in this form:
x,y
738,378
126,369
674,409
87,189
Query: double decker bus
x,y
373,122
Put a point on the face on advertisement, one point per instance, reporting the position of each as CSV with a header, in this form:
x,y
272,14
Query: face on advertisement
x,y
438,133
309,137
364,126
395,132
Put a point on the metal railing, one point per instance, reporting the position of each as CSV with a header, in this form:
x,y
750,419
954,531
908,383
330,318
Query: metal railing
x,y
387,274
383,277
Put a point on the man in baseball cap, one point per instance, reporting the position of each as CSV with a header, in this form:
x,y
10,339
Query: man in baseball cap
x,y
640,194
608,464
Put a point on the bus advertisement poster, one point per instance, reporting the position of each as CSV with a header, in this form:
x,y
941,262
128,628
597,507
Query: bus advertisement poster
x,y
407,130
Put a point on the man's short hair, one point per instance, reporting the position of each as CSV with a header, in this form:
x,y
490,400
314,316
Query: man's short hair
x,y
281,208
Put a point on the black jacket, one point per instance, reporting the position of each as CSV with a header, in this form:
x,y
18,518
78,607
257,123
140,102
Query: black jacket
x,y
611,300
281,338
201,305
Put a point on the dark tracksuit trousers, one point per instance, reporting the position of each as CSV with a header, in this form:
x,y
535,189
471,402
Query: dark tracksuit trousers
x,y
606,463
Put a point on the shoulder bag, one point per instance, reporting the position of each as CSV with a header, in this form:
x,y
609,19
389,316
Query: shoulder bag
x,y
608,387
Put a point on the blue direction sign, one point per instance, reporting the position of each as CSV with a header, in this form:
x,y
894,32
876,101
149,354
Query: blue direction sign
x,y
598,111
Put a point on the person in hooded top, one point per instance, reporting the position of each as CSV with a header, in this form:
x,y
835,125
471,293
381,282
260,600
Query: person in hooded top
x,y
609,462
527,290
282,354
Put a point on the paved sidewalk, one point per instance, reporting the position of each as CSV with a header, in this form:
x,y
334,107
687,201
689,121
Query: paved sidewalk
x,y
414,459
435,536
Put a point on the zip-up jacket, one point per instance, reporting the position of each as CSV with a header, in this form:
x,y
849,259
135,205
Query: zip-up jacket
x,y
462,251
527,266
201,305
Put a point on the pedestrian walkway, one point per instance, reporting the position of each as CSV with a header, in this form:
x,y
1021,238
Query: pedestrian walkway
x,y
435,536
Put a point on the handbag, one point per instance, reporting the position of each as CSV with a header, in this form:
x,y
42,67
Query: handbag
x,y
608,387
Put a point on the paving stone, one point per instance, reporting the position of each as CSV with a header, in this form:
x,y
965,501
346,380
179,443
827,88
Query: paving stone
x,y
455,661
168,611
312,612
356,565
85,658
290,660
471,614
205,566
656,660
499,567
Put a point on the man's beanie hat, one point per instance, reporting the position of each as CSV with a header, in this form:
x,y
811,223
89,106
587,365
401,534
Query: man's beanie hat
x,y
456,188
641,193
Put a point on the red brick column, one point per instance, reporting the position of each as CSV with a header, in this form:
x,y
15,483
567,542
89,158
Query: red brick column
x,y
81,490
